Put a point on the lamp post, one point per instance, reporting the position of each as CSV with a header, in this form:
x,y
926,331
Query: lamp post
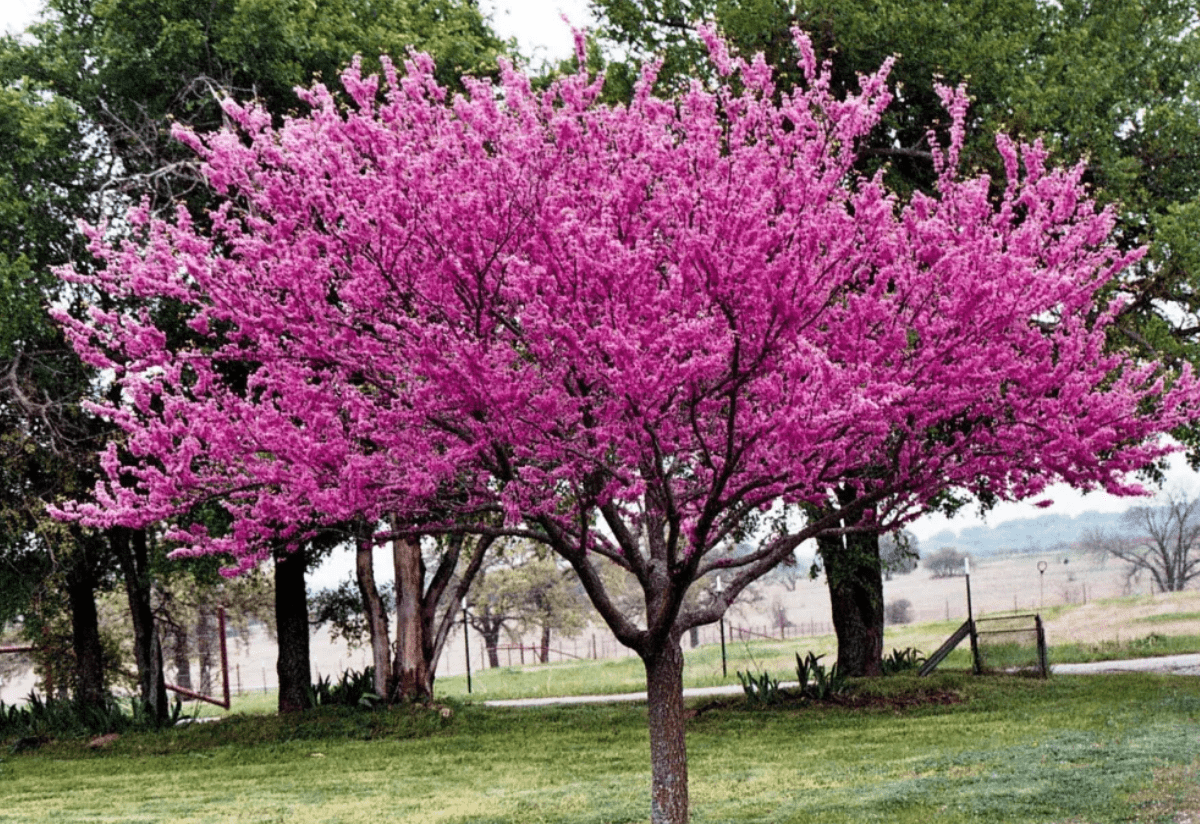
x,y
466,645
1042,584
724,665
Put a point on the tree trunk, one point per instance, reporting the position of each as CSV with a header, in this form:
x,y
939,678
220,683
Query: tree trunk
x,y
291,627
489,631
204,643
85,628
377,626
134,558
414,677
668,750
545,651
854,574
181,656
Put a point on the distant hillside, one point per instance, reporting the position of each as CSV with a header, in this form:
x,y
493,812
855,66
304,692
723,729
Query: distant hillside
x,y
1027,535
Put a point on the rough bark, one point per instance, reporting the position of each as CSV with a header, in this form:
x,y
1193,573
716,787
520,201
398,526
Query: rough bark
x,y
85,628
377,625
491,642
545,649
489,629
180,656
854,575
205,632
668,751
134,558
411,668
291,626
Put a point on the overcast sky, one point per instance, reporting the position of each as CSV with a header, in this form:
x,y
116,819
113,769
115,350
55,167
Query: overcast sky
x,y
542,34
15,15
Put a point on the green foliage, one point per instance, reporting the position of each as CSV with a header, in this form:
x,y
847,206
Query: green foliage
x,y
761,690
353,689
131,67
39,721
901,661
815,681
341,610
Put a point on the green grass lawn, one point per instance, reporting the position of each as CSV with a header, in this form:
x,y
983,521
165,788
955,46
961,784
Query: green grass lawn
x,y
618,675
1079,749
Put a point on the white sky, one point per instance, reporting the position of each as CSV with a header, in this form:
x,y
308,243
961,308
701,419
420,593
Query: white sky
x,y
538,25
15,15
542,35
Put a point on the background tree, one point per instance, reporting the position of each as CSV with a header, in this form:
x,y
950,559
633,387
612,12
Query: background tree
x,y
554,601
1162,541
47,444
946,562
187,597
445,569
899,553
132,67
88,101
524,590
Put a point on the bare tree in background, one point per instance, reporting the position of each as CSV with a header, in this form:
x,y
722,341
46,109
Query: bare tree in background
x,y
899,554
1162,540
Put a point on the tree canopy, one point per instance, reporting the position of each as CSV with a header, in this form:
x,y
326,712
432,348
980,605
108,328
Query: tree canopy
x,y
668,316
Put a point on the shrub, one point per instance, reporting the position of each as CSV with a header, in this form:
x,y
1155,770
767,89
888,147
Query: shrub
x,y
947,562
761,690
905,660
898,612
815,681
40,721
353,689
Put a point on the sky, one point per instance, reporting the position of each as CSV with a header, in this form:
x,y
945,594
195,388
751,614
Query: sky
x,y
15,15
538,25
542,34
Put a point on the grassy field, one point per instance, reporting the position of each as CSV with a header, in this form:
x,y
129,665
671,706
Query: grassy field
x,y
1082,749
703,666
618,675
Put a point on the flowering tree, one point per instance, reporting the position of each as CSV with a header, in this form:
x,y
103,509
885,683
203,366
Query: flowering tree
x,y
630,331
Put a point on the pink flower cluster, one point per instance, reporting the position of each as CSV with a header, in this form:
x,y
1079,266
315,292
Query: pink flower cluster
x,y
666,316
